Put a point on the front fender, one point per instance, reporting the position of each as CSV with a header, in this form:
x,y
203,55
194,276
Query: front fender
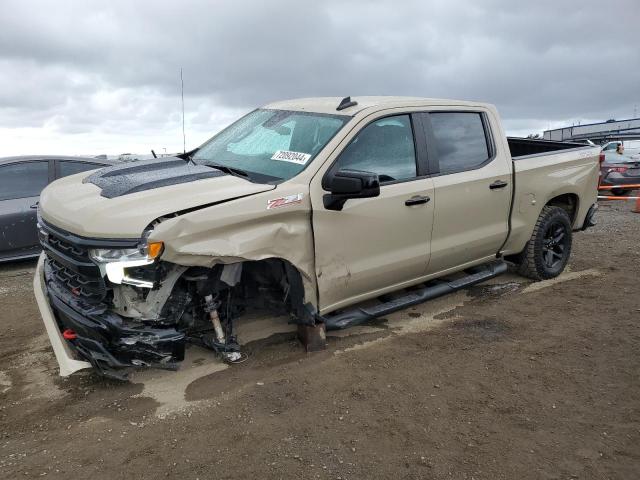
x,y
244,229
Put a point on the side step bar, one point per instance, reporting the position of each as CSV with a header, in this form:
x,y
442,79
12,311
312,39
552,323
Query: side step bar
x,y
356,316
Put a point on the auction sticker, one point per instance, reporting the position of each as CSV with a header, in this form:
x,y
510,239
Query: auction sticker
x,y
298,158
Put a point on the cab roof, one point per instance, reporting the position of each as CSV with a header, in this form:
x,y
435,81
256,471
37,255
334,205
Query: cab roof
x,y
371,103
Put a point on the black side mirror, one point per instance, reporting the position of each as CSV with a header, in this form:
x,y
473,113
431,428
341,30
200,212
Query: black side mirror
x,y
346,184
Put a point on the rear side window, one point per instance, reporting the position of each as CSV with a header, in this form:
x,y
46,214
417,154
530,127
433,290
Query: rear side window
x,y
384,147
21,180
70,167
460,139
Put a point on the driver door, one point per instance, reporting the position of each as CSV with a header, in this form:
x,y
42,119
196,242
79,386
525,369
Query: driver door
x,y
375,245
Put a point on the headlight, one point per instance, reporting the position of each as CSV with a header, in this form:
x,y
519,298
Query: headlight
x,y
151,251
113,262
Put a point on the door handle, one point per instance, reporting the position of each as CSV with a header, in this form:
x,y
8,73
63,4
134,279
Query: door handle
x,y
35,205
417,200
498,184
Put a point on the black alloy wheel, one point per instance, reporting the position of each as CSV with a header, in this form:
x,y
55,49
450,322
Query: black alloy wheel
x,y
554,245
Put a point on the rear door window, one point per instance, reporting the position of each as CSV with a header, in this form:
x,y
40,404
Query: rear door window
x,y
24,179
460,140
70,167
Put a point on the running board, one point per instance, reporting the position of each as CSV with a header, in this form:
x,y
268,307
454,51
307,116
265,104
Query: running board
x,y
356,316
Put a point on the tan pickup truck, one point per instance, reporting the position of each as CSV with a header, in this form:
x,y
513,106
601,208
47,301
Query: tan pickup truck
x,y
323,209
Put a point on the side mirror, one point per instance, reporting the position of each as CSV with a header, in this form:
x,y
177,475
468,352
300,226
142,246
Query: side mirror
x,y
346,184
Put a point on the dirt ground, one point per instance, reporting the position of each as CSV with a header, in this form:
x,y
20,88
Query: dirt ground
x,y
509,380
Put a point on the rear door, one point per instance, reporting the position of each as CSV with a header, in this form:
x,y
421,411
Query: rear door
x,y
472,187
374,245
20,187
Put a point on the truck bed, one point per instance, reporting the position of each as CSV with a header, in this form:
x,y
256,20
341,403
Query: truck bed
x,y
551,170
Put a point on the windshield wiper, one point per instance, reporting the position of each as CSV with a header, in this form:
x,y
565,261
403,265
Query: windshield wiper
x,y
236,172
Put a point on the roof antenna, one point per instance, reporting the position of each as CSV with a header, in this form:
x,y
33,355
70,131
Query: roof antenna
x,y
184,138
346,103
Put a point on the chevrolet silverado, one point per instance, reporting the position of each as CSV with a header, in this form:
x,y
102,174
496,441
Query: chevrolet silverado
x,y
332,211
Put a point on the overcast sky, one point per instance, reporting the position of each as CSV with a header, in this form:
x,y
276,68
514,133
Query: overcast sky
x,y
91,77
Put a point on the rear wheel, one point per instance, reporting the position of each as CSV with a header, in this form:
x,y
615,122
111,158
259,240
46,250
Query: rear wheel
x,y
619,192
547,252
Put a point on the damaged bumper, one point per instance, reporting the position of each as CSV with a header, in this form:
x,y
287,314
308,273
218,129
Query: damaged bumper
x,y
67,359
97,337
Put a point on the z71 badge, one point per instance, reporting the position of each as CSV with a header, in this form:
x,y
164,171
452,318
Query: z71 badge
x,y
284,201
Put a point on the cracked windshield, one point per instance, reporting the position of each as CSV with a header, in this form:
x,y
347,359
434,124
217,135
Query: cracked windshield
x,y
270,145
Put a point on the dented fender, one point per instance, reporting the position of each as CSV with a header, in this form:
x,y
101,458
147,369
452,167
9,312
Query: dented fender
x,y
273,224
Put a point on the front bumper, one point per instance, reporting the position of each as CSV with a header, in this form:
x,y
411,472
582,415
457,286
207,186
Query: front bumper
x,y
109,343
67,359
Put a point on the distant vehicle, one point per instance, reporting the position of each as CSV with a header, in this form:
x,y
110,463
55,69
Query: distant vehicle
x,y
620,169
21,181
582,141
628,145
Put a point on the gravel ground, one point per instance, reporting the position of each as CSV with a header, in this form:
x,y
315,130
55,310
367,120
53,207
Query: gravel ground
x,y
505,380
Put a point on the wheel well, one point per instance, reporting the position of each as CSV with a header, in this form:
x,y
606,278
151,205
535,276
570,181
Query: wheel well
x,y
568,202
272,284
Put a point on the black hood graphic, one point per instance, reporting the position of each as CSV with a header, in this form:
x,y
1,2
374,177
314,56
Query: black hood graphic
x,y
144,175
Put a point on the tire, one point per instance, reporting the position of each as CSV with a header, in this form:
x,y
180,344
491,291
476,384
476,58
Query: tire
x,y
619,192
547,252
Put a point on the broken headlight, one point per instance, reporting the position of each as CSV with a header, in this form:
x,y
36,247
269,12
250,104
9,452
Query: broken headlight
x,y
114,262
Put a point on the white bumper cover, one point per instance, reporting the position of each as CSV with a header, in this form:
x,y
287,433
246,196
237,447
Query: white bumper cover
x,y
65,357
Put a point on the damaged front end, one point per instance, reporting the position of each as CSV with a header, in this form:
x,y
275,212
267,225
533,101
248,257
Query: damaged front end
x,y
119,306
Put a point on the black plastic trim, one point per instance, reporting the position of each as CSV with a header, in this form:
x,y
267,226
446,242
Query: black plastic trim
x,y
85,268
552,152
102,336
359,315
346,102
512,201
434,167
498,184
420,145
589,219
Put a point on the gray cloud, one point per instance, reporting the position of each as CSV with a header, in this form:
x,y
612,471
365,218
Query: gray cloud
x,y
113,67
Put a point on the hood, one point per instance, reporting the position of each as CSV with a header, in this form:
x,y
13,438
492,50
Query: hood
x,y
121,201
135,177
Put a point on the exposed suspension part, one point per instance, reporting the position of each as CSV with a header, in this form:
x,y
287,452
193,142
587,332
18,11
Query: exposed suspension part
x,y
226,345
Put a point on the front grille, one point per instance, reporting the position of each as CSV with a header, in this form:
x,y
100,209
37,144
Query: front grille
x,y
73,251
71,268
89,289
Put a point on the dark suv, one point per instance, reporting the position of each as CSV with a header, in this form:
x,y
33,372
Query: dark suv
x,y
620,169
21,181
